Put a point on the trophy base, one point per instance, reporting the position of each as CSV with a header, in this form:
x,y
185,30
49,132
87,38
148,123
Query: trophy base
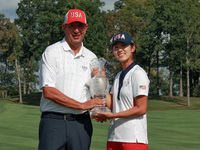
x,y
99,109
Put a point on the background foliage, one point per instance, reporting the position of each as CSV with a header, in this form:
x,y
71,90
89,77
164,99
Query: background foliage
x,y
166,34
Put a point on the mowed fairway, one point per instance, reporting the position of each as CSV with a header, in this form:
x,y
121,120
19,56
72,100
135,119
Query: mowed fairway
x,y
18,126
167,129
174,130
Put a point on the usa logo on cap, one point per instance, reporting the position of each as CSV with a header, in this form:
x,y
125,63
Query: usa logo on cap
x,y
122,37
75,15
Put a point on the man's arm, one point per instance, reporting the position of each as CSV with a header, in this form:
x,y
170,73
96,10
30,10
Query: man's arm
x,y
58,97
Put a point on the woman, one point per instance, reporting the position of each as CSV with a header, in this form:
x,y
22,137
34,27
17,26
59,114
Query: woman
x,y
127,100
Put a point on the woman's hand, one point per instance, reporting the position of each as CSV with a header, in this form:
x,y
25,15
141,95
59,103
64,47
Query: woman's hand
x,y
103,116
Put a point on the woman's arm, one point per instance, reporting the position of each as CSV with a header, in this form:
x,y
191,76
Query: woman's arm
x,y
139,109
109,101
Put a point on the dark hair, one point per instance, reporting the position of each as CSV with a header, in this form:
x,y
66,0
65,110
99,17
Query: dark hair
x,y
134,53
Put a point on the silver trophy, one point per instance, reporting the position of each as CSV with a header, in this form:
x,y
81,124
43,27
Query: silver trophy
x,y
99,86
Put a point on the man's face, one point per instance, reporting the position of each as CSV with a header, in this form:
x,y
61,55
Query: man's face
x,y
74,33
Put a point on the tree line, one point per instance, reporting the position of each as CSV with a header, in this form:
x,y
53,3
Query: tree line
x,y
166,33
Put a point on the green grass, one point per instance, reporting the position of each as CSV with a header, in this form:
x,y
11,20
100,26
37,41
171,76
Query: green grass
x,y
174,130
18,126
172,125
99,138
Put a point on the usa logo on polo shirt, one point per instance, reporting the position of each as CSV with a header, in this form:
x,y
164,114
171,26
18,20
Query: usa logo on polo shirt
x,y
84,68
142,87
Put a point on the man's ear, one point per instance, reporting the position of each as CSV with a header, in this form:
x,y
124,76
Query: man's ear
x,y
86,27
63,26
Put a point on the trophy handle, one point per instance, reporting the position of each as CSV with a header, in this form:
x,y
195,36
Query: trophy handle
x,y
102,62
97,63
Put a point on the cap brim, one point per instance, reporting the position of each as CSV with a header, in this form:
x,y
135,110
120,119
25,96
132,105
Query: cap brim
x,y
75,21
120,40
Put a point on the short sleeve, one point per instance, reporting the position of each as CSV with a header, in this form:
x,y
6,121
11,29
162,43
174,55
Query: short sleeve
x,y
140,83
47,69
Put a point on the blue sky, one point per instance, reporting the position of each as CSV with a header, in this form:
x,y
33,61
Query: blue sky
x,y
8,7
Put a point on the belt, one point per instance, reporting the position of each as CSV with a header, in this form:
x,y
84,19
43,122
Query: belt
x,y
66,117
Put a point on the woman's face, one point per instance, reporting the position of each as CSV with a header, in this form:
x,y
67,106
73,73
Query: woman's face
x,y
123,52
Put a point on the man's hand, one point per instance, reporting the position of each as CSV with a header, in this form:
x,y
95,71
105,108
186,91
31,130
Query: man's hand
x,y
93,103
96,71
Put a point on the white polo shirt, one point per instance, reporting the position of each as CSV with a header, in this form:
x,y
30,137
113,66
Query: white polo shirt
x,y
61,69
133,130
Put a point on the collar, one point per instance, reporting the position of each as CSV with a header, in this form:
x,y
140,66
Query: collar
x,y
122,76
67,48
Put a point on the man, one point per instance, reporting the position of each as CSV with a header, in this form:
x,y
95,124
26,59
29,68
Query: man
x,y
64,71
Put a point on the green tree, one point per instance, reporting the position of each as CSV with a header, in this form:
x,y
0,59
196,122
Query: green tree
x,y
6,67
95,38
169,15
15,47
10,50
191,23
26,22
3,52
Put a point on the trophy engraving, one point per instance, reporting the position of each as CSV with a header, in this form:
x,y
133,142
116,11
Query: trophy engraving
x,y
99,86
